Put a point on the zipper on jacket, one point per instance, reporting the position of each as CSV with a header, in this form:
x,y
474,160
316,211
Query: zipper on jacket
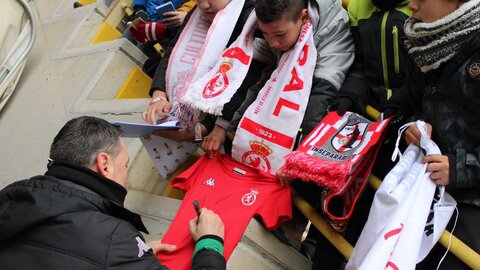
x,y
396,59
384,54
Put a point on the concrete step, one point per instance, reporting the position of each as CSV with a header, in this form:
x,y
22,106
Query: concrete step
x,y
258,249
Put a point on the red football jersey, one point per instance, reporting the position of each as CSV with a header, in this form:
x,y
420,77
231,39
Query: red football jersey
x,y
232,190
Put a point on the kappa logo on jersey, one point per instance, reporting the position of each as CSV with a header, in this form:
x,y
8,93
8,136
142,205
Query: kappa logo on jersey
x,y
249,198
350,136
142,247
209,182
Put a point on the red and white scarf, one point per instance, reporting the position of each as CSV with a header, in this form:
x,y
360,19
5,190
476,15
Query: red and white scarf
x,y
217,87
267,130
338,154
195,53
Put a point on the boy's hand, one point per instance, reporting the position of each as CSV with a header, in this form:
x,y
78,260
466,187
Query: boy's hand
x,y
214,141
159,107
283,178
412,135
178,135
157,246
174,18
207,223
439,167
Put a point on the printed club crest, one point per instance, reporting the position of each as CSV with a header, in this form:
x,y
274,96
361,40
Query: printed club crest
x,y
257,157
250,198
350,136
218,83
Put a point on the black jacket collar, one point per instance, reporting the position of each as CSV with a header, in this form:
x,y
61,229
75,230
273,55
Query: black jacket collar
x,y
104,187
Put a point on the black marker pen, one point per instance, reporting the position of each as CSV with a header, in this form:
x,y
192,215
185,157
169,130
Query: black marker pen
x,y
197,208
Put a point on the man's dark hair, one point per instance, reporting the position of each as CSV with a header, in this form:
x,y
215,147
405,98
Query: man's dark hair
x,y
81,139
274,10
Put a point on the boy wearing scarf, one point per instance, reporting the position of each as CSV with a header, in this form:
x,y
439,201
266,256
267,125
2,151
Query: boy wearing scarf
x,y
443,39
282,23
164,90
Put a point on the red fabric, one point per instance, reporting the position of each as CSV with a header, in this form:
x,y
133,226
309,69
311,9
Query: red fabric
x,y
215,185
338,154
150,31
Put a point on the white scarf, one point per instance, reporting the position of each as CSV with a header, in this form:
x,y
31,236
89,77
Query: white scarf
x,y
195,53
217,87
267,130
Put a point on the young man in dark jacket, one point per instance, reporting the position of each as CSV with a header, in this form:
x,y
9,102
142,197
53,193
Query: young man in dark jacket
x,y
73,216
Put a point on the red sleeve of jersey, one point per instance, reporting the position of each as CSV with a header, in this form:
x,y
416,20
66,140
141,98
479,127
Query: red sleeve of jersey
x,y
186,179
277,208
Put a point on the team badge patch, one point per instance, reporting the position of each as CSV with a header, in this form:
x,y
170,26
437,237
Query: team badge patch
x,y
473,69
257,157
350,136
249,198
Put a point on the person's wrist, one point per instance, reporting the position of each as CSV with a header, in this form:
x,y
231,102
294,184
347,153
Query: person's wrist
x,y
157,99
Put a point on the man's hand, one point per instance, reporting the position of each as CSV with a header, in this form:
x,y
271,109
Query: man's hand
x,y
157,246
158,107
178,135
439,167
174,18
214,141
207,223
283,178
412,135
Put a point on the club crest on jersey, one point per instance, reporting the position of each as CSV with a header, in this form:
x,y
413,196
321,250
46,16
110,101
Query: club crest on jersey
x,y
218,83
257,157
209,182
350,136
249,198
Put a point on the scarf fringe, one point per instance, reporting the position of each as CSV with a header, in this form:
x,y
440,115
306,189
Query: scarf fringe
x,y
332,175
202,105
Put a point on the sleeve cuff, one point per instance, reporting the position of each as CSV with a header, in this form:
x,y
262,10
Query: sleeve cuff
x,y
222,123
212,242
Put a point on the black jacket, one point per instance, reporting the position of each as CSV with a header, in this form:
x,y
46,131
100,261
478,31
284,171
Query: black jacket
x,y
449,99
73,218
380,58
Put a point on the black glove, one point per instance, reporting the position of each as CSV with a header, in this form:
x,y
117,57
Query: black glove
x,y
398,119
341,105
398,116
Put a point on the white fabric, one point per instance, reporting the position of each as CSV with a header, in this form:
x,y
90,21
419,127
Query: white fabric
x,y
198,47
217,87
399,232
267,130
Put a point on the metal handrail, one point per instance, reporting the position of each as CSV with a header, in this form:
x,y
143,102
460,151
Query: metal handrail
x,y
5,73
